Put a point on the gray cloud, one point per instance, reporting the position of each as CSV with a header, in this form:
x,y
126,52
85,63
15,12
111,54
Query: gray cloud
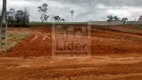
x,y
84,9
105,2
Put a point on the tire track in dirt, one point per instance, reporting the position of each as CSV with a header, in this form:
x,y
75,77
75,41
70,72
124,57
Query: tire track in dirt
x,y
37,45
45,37
35,37
103,42
39,34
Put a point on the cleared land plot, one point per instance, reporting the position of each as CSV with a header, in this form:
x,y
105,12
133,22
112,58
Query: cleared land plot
x,y
115,56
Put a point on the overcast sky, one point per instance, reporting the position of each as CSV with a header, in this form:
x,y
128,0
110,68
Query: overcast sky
x,y
84,9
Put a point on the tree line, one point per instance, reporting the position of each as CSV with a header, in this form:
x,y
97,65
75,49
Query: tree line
x,y
44,17
21,17
18,18
116,18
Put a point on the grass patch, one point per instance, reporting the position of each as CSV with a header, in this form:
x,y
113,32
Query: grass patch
x,y
139,27
19,36
50,23
16,38
12,45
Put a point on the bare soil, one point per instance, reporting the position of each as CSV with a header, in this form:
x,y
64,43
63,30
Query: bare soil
x,y
115,56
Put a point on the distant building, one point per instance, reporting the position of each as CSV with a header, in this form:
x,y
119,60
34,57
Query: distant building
x,y
140,19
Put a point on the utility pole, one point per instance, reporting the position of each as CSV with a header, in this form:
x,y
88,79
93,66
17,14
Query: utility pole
x,y
3,28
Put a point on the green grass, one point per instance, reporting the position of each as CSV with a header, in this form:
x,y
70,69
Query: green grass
x,y
49,23
16,39
139,27
12,45
17,36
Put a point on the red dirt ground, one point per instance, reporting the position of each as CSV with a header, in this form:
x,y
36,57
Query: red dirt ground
x,y
115,56
103,42
39,44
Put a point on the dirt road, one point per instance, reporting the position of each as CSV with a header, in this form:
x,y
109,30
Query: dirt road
x,y
95,68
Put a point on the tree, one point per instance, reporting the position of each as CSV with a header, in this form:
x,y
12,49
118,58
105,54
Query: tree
x,y
25,17
113,18
46,17
19,17
43,10
124,20
110,18
58,18
140,18
11,17
116,18
22,17
63,19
